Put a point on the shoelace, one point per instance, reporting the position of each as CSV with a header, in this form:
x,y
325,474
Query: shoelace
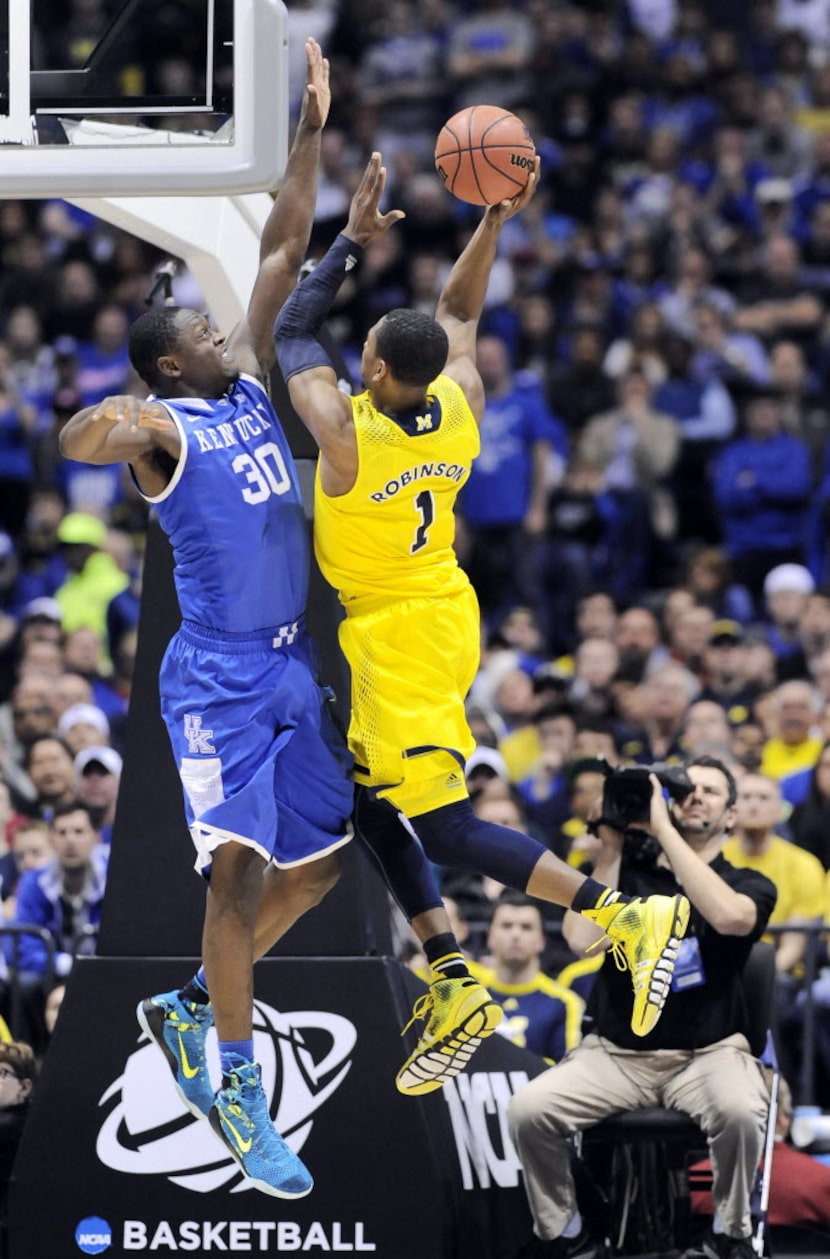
x,y
421,1010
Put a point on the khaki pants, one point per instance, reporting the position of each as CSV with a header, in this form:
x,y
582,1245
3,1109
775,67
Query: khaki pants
x,y
722,1087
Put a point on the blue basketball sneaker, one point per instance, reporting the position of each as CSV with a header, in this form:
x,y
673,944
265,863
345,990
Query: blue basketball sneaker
x,y
241,1119
180,1029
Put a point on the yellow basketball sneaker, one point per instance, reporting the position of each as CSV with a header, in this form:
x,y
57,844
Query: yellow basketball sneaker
x,y
459,1015
645,937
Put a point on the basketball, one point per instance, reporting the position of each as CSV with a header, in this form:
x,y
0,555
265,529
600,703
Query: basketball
x,y
484,155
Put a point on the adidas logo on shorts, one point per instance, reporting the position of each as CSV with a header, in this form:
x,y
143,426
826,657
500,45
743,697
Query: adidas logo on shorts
x,y
454,780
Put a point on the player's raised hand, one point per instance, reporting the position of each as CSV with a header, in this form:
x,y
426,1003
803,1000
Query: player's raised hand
x,y
505,210
127,409
317,98
365,221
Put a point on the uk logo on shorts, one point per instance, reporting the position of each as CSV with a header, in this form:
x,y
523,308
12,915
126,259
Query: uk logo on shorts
x,y
198,740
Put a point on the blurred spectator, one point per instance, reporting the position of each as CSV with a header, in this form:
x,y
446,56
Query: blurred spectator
x,y
30,848
18,1073
787,591
725,671
795,745
539,1014
581,516
642,350
64,898
804,412
668,690
94,577
638,639
579,387
809,791
775,302
706,731
29,715
402,76
83,726
575,842
544,789
761,486
50,764
708,577
17,423
98,777
799,880
635,448
706,418
502,505
488,55
721,354
781,146
748,746
799,1184
689,635
796,873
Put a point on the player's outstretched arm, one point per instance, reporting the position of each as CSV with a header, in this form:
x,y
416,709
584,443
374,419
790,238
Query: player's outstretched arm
x,y
287,229
311,380
120,429
462,299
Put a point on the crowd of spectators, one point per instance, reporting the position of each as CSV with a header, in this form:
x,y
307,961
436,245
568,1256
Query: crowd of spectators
x,y
646,525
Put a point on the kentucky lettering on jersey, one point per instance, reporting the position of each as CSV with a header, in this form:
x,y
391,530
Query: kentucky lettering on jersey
x,y
391,536
232,511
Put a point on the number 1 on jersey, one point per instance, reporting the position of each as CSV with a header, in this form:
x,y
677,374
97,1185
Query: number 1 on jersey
x,y
425,504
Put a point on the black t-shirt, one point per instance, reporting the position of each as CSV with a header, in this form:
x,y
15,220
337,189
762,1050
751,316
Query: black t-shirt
x,y
692,1017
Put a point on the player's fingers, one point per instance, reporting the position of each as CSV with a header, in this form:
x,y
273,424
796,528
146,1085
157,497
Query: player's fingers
x,y
393,216
369,175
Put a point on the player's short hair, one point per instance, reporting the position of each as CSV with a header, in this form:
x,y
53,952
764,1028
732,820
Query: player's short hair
x,y
413,346
153,335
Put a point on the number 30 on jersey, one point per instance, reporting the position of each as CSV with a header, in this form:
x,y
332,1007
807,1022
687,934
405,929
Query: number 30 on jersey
x,y
264,471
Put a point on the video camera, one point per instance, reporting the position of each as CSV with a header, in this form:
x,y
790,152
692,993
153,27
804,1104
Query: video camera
x,y
626,796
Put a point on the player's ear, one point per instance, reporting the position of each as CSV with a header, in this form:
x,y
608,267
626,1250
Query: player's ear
x,y
379,372
168,366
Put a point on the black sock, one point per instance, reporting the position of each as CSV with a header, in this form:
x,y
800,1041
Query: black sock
x,y
446,961
591,893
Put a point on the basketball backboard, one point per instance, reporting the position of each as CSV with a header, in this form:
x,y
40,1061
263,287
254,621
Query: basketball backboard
x,y
157,98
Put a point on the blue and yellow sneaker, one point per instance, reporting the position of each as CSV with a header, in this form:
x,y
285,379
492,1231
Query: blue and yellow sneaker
x,y
645,939
459,1015
180,1029
240,1118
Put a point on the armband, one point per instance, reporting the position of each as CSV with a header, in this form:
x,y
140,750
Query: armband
x,y
303,315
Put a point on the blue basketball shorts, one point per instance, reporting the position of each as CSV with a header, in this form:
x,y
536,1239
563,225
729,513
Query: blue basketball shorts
x,y
258,755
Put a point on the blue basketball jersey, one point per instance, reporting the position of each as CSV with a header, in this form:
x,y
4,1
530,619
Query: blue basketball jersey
x,y
234,514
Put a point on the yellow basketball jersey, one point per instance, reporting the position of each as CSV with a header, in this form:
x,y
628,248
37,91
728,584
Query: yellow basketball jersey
x,y
391,536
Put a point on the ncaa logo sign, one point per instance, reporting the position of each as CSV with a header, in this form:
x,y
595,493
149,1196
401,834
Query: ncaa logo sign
x,y
93,1235
146,1130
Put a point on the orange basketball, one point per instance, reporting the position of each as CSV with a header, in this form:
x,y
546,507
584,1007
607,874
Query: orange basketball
x,y
484,154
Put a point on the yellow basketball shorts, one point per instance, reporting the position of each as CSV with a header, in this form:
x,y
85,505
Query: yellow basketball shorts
x,y
412,665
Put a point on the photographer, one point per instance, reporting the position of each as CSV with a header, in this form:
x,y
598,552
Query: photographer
x,y
697,1059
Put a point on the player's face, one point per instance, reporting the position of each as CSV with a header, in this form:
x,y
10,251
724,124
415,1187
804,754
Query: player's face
x,y
204,365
